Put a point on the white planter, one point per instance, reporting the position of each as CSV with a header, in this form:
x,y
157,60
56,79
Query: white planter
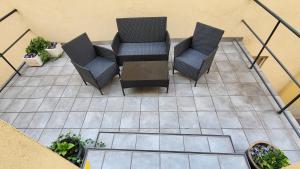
x,y
35,61
55,52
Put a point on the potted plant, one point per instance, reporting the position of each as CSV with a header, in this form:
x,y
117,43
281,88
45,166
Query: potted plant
x,y
263,155
72,147
54,49
35,52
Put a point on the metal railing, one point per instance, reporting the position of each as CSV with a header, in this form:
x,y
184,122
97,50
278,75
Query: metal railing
x,y
280,21
9,47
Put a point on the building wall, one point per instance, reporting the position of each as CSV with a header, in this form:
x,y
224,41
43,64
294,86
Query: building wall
x,y
63,20
21,152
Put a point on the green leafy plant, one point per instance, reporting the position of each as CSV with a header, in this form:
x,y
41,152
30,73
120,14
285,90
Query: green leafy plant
x,y
45,56
268,157
72,147
37,46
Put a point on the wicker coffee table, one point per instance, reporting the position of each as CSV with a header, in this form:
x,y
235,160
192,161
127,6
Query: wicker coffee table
x,y
145,74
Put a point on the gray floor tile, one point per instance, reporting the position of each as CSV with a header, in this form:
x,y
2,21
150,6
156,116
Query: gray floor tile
x,y
174,161
115,104
106,138
23,120
228,120
41,92
130,120
8,117
4,103
232,162
171,143
149,120
64,104
183,90
124,141
48,136
213,77
245,77
254,135
34,133
168,120
147,142
89,134
167,104
32,105
196,144
229,77
57,120
188,120
81,104
271,120
123,160
201,90
249,120
75,80
241,103
132,104
75,120
186,104
62,80
39,120
26,92
212,131
149,104
203,161
48,104
98,104
12,92
93,120
283,139
217,89
16,105
145,160
222,103
95,158
261,103
70,91
56,91
111,120
208,119
224,66
204,104
294,156
220,145
86,91
238,138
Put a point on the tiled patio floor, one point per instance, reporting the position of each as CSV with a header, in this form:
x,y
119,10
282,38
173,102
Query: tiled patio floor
x,y
230,100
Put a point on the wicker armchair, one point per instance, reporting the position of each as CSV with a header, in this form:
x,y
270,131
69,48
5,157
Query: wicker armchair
x,y
141,39
194,56
96,65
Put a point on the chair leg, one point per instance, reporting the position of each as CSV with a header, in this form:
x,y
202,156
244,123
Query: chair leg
x,y
119,75
196,83
85,83
101,91
173,70
208,70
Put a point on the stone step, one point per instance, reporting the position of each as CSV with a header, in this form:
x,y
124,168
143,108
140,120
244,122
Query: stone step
x,y
137,159
167,142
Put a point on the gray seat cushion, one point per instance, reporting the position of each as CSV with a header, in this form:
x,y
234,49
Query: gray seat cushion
x,y
153,48
192,58
103,70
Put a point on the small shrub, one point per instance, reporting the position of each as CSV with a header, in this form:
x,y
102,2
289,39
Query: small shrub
x,y
268,157
72,147
37,45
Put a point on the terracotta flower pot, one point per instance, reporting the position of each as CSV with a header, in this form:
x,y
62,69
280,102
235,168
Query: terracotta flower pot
x,y
248,152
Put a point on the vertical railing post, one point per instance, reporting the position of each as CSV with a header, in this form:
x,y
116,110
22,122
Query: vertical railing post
x,y
265,44
288,105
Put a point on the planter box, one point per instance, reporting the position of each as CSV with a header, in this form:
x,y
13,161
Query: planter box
x,y
35,61
55,52
248,153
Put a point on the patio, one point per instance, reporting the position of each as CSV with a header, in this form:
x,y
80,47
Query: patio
x,y
230,100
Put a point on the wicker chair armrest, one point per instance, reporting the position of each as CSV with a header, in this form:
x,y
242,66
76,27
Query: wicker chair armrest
x,y
104,52
182,46
116,43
